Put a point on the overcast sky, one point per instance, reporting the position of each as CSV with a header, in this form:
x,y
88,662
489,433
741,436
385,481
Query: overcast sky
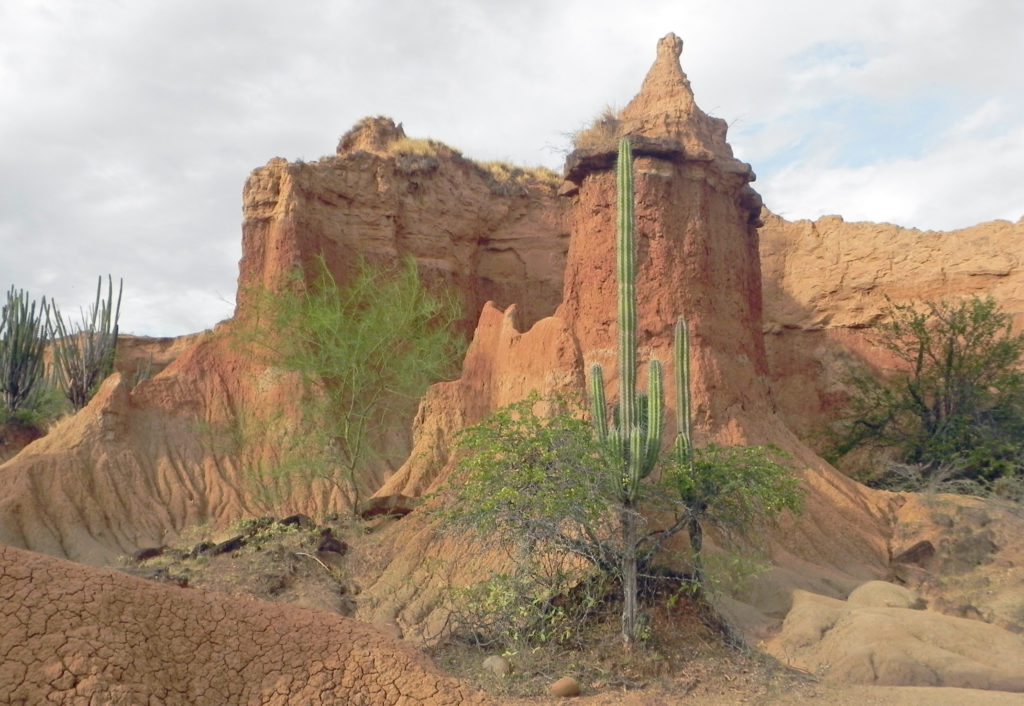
x,y
128,127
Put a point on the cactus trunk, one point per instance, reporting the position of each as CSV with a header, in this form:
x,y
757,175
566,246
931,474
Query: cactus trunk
x,y
635,432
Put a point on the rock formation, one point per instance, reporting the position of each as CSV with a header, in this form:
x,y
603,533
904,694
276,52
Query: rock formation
x,y
697,255
826,282
143,462
485,236
534,271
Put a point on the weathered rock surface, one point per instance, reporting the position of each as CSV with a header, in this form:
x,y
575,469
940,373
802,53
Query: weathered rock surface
x,y
186,445
466,229
73,634
876,644
698,255
826,281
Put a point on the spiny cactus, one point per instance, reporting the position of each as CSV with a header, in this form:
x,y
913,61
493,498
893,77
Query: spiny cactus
x,y
684,437
635,432
83,355
24,332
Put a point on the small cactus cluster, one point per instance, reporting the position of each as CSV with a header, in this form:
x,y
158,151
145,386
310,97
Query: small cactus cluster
x,y
635,431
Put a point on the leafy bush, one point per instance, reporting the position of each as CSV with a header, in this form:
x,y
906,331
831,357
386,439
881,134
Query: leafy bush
x,y
365,350
957,404
531,485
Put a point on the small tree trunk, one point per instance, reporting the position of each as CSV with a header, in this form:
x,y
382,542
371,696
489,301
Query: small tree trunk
x,y
630,604
696,533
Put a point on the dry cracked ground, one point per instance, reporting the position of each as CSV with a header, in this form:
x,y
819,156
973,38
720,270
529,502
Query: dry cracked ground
x,y
76,635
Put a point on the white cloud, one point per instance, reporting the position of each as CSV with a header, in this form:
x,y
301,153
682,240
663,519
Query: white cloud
x,y
129,127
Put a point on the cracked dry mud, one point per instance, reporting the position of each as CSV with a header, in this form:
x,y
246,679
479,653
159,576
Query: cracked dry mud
x,y
77,635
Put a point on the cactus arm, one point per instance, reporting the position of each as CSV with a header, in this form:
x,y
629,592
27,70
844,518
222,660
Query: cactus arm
x,y
655,409
684,436
599,410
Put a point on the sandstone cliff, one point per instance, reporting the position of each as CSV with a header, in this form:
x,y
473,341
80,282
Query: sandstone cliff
x,y
184,446
826,282
698,254
773,311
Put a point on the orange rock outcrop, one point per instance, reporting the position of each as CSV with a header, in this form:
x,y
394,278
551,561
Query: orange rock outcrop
x,y
773,309
826,282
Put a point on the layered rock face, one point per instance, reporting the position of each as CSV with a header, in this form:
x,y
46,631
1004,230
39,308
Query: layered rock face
x,y
696,218
383,197
698,255
190,445
826,282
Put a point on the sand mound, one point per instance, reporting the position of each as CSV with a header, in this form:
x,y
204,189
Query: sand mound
x,y
866,640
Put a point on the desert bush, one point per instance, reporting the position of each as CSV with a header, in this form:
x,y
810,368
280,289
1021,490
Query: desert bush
x,y
955,409
83,352
365,350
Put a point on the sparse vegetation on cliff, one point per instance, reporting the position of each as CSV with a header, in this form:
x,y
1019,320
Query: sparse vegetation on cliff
x,y
955,411
600,134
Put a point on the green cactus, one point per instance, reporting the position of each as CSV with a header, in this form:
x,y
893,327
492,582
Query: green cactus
x,y
635,432
24,332
83,354
636,429
684,425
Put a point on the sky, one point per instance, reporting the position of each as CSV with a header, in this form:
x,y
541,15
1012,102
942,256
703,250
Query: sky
x,y
128,127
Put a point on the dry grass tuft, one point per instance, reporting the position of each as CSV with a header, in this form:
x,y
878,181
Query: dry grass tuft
x,y
418,147
604,131
508,179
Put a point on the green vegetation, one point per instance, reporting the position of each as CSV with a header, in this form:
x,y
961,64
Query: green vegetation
x,y
365,351
581,506
82,356
955,411
24,333
83,353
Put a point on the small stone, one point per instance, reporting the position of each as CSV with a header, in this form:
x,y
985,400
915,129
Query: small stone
x,y
497,665
298,520
565,687
229,545
330,543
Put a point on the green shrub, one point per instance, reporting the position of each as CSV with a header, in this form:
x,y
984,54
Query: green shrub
x,y
957,404
540,484
365,351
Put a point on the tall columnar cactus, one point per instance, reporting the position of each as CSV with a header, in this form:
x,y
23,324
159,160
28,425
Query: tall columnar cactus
x,y
24,332
635,432
83,355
